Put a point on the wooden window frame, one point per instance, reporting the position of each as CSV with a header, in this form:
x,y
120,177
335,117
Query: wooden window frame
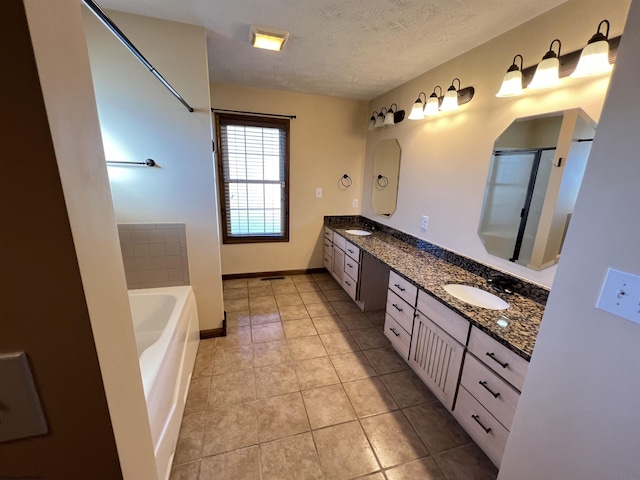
x,y
254,121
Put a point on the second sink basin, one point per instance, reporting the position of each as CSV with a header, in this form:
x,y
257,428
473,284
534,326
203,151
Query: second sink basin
x,y
476,296
362,233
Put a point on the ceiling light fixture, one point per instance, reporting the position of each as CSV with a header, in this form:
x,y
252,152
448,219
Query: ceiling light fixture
x,y
268,38
433,103
417,111
512,82
594,58
547,73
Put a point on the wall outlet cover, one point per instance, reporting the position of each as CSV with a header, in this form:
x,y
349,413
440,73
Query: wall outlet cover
x,y
424,223
318,192
620,295
355,203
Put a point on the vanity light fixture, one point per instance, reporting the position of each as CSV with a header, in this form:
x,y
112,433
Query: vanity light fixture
x,y
372,121
594,58
450,100
433,103
417,111
268,38
512,82
380,118
389,117
548,70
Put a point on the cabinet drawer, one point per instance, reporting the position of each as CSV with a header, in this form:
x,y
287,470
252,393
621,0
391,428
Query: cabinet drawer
x,y
496,395
328,234
509,365
400,339
490,436
326,261
328,248
403,288
352,251
350,286
339,241
400,311
445,318
351,267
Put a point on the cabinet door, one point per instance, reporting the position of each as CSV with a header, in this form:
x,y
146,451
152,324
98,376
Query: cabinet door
x,y
436,358
337,270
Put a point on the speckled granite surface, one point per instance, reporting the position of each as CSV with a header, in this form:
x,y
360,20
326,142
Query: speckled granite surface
x,y
431,272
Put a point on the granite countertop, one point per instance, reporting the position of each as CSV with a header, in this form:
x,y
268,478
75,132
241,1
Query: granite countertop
x,y
431,273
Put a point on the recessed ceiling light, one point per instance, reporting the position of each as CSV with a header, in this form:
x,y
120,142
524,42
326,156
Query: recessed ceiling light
x,y
268,38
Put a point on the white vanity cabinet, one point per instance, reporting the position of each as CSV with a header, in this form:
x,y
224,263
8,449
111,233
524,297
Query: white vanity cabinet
x,y
492,377
400,311
437,348
327,252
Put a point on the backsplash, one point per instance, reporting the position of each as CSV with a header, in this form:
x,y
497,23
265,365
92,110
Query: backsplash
x,y
530,290
154,254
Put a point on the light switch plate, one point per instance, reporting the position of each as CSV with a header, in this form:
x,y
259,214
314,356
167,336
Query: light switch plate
x,y
21,414
318,192
620,295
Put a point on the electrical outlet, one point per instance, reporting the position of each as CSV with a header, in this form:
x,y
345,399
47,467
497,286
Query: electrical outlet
x,y
355,203
424,223
318,192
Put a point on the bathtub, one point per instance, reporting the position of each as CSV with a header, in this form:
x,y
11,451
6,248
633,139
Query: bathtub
x,y
167,333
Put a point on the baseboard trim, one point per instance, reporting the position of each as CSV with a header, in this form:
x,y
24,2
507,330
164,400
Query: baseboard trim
x,y
278,273
215,332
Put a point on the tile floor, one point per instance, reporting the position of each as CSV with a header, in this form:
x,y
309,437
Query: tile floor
x,y
305,386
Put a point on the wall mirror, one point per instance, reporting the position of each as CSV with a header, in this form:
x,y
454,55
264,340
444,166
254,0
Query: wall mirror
x,y
534,177
386,171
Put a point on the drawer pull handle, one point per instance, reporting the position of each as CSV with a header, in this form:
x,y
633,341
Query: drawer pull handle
x,y
326,259
484,384
492,356
347,282
394,331
350,251
327,245
398,287
477,419
397,307
349,265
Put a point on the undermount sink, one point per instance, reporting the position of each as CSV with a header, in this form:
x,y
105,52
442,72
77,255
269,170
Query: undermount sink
x,y
362,233
476,296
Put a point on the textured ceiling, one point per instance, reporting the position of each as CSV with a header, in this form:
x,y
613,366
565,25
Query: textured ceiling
x,y
347,48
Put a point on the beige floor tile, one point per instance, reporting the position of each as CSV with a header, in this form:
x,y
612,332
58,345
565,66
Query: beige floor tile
x,y
370,338
291,458
336,295
374,476
386,359
302,278
344,451
236,465
339,342
299,328
232,388
345,306
393,439
276,380
369,397
424,469
235,337
189,446
327,406
207,345
377,317
407,389
271,353
198,395
238,319
260,290
229,428
284,288
321,276
204,363
235,293
315,372
288,299
280,417
267,332
185,471
352,366
320,309
313,297
236,305
329,324
307,287
436,427
306,347
293,312
465,463
237,283
265,317
233,359
258,282
355,321
326,285
262,304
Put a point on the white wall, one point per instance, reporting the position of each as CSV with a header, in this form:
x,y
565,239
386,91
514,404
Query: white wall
x,y
65,77
445,160
327,141
578,416
140,119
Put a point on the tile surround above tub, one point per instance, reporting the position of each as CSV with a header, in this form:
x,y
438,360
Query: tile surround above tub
x,y
154,254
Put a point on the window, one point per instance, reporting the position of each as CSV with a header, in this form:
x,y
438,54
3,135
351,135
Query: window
x,y
253,173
